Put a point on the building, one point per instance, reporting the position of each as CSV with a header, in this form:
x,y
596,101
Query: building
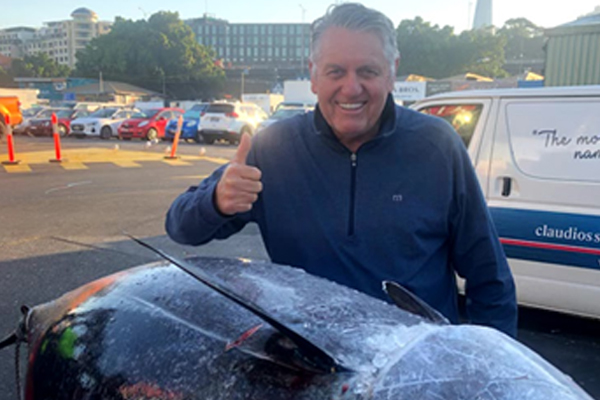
x,y
254,44
266,54
573,52
483,14
59,39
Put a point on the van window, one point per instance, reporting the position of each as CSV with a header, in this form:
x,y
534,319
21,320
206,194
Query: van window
x,y
555,140
463,117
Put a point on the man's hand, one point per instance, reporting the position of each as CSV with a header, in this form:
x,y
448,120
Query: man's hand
x,y
240,184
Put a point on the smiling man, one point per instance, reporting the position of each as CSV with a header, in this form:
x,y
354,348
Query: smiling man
x,y
361,190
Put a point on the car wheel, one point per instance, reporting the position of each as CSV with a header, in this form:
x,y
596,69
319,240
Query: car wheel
x,y
62,130
152,134
105,132
198,138
209,141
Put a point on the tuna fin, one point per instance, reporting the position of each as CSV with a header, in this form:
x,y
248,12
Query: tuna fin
x,y
315,358
411,303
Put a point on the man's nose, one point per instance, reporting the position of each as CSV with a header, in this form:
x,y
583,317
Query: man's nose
x,y
351,86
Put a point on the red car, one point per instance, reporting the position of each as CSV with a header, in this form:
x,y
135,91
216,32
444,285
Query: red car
x,y
42,126
148,124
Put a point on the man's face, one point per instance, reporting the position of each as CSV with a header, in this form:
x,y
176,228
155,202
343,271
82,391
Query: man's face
x,y
352,79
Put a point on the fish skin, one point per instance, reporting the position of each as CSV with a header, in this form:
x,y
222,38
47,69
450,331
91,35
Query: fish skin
x,y
153,332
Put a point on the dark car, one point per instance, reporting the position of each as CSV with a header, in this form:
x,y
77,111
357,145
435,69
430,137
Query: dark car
x,y
42,126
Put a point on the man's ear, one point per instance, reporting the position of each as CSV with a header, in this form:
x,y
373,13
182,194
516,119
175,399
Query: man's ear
x,y
313,77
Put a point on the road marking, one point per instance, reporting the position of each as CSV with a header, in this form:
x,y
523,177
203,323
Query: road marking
x,y
216,160
73,166
126,164
17,168
176,163
70,185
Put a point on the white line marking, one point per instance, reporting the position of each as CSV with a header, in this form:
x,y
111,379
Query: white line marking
x,y
70,185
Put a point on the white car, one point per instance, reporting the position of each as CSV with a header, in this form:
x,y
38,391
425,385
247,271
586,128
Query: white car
x,y
104,122
283,113
228,121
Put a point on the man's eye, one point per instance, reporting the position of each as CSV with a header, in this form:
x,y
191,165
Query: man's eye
x,y
369,73
334,72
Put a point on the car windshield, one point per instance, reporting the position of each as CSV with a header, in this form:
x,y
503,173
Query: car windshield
x,y
192,114
45,114
104,113
198,107
286,113
64,114
146,114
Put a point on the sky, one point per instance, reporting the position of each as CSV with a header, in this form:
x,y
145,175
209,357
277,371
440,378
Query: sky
x,y
455,13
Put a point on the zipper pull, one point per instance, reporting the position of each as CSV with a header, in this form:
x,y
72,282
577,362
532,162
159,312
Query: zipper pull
x,y
353,159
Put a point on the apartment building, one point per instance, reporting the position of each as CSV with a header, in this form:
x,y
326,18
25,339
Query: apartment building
x,y
268,45
59,39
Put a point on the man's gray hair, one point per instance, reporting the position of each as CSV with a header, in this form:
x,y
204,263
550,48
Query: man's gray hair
x,y
356,17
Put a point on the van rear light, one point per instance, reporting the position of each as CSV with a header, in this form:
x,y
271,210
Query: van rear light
x,y
232,114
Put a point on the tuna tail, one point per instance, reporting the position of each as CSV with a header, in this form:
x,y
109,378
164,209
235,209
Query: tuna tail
x,y
411,303
316,359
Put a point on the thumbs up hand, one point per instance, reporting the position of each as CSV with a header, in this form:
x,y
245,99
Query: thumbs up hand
x,y
240,184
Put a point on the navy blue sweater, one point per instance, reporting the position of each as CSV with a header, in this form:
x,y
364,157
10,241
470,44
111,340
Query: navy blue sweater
x,y
405,207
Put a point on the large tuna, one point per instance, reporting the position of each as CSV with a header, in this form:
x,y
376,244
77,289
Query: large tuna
x,y
155,332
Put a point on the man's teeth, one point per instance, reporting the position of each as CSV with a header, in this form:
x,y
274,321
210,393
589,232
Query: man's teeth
x,y
351,106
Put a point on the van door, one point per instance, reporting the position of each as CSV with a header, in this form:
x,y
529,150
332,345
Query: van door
x,y
470,117
544,196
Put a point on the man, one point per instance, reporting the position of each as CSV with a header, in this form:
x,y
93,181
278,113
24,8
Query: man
x,y
361,190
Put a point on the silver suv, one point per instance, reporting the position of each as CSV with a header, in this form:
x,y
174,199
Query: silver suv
x,y
228,121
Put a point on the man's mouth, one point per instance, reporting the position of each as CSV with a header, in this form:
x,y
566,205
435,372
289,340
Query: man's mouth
x,y
351,106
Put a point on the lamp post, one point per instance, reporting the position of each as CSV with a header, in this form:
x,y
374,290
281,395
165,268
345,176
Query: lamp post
x,y
244,72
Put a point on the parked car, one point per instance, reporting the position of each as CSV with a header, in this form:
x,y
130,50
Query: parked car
x,y
148,124
42,126
228,121
191,124
104,122
282,113
28,115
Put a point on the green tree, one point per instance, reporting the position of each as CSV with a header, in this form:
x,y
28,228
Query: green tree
x,y
38,66
482,53
436,52
524,39
160,54
425,49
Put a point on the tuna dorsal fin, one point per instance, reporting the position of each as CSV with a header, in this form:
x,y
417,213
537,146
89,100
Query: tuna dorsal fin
x,y
411,303
317,359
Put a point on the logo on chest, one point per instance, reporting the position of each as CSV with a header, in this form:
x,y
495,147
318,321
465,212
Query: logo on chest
x,y
397,198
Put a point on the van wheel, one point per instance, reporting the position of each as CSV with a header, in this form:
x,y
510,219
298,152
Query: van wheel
x,y
152,134
198,138
105,132
209,140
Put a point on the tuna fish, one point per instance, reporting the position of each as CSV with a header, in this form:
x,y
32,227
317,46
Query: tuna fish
x,y
257,330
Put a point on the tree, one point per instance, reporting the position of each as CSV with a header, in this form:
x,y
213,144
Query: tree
x,y
38,66
524,39
425,49
438,53
158,54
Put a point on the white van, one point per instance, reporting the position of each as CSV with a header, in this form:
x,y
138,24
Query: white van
x,y
537,156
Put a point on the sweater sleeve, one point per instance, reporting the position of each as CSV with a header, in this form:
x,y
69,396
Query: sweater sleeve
x,y
476,252
193,218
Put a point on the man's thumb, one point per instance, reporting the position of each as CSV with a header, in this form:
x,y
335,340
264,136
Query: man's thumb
x,y
243,149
